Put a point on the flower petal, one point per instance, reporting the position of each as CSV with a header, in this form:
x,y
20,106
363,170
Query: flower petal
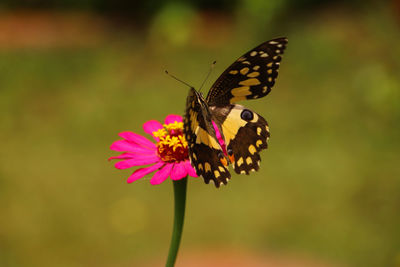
x,y
142,160
172,118
162,174
190,170
135,156
124,156
179,171
124,145
139,173
137,139
152,126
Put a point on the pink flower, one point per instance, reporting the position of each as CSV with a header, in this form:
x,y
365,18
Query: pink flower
x,y
169,156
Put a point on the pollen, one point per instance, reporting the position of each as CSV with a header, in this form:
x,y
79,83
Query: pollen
x,y
174,126
172,145
160,133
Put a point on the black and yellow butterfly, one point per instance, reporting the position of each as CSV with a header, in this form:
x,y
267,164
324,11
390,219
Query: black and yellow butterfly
x,y
245,133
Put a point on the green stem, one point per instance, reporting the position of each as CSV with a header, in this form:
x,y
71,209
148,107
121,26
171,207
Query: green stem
x,y
179,216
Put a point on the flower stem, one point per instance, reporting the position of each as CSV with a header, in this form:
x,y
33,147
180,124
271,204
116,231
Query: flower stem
x,y
179,216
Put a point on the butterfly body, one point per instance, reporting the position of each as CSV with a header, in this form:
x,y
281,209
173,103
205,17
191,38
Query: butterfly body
x,y
243,132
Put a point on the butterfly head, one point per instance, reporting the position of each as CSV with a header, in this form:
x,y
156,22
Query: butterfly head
x,y
199,95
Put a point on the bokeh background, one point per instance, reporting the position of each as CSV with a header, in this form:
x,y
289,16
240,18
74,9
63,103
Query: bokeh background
x,y
73,74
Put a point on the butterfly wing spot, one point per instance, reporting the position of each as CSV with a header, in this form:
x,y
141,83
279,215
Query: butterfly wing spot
x,y
249,161
239,161
264,55
246,115
224,161
252,149
269,71
253,53
222,169
237,99
265,88
207,167
242,172
270,79
269,65
257,67
253,74
200,167
241,91
259,143
217,174
277,51
241,59
279,45
233,72
244,70
194,156
250,82
259,130
246,62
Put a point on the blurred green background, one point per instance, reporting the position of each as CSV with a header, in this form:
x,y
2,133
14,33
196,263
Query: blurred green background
x,y
73,74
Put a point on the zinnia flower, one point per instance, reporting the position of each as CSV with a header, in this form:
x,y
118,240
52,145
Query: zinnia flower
x,y
169,156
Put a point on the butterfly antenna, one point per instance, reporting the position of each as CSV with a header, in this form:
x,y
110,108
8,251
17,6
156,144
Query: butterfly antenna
x,y
179,80
208,74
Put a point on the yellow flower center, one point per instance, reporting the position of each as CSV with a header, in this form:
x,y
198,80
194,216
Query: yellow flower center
x,y
172,146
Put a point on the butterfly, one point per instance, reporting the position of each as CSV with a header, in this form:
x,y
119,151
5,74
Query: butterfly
x,y
244,132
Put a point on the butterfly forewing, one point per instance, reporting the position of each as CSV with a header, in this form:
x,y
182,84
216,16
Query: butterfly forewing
x,y
205,152
249,77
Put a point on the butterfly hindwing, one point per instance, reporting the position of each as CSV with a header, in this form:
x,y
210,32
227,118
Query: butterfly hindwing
x,y
245,133
207,164
249,77
205,152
